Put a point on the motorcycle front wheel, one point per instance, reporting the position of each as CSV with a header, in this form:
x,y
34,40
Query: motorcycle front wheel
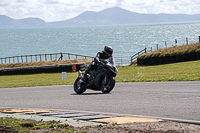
x,y
106,88
79,88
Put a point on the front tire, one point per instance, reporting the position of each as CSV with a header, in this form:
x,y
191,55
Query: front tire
x,y
79,88
106,88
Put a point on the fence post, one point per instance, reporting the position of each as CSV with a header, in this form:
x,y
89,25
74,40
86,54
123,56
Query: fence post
x,y
68,56
157,46
51,56
175,42
45,57
199,39
61,56
165,44
186,41
22,59
40,57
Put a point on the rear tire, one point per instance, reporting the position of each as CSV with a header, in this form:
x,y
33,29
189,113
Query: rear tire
x,y
108,88
79,88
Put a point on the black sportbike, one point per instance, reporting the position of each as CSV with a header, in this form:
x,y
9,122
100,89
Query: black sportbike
x,y
102,78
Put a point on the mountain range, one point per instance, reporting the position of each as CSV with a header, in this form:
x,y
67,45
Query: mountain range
x,y
110,16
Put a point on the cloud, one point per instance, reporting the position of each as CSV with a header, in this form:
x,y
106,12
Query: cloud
x,y
57,10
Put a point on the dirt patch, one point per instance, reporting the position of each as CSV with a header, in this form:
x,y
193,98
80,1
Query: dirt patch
x,y
44,63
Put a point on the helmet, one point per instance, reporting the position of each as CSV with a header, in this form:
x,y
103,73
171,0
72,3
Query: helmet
x,y
108,50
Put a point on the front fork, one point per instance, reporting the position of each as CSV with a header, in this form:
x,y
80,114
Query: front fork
x,y
80,75
106,79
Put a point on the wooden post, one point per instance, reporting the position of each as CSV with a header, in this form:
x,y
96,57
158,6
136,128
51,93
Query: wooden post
x,y
199,39
5,60
165,44
151,49
22,59
13,60
40,57
35,57
17,59
175,42
45,57
186,41
157,46
61,56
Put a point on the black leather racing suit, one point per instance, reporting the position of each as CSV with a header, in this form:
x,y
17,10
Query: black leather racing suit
x,y
98,59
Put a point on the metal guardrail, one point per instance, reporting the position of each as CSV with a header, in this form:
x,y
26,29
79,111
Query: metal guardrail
x,y
41,57
119,61
122,61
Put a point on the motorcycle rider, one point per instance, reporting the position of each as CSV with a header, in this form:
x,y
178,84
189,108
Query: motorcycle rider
x,y
100,58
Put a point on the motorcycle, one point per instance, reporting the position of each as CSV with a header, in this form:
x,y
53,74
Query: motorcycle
x,y
101,79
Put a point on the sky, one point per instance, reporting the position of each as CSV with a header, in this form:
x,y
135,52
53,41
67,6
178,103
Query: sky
x,y
58,10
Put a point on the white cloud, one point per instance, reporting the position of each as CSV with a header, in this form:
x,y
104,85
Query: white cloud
x,y
56,10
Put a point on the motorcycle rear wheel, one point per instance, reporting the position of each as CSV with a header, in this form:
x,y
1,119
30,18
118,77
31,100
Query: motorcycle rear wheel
x,y
110,85
79,88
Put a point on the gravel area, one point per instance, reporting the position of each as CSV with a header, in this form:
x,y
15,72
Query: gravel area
x,y
146,127
151,127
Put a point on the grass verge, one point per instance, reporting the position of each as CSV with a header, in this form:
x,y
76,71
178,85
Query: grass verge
x,y
184,71
171,51
24,126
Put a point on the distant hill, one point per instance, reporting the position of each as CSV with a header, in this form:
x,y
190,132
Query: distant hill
x,y
7,22
110,16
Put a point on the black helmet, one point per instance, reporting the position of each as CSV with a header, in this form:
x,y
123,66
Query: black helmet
x,y
108,50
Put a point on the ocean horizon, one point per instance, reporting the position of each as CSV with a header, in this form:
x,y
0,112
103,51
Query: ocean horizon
x,y
126,40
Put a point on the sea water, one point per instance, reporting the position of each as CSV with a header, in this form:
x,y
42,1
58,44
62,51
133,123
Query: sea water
x,y
126,40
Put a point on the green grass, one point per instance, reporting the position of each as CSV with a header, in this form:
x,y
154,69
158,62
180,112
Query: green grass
x,y
24,126
184,71
43,79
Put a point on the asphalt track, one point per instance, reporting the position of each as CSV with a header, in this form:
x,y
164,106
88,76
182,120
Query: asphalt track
x,y
179,100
